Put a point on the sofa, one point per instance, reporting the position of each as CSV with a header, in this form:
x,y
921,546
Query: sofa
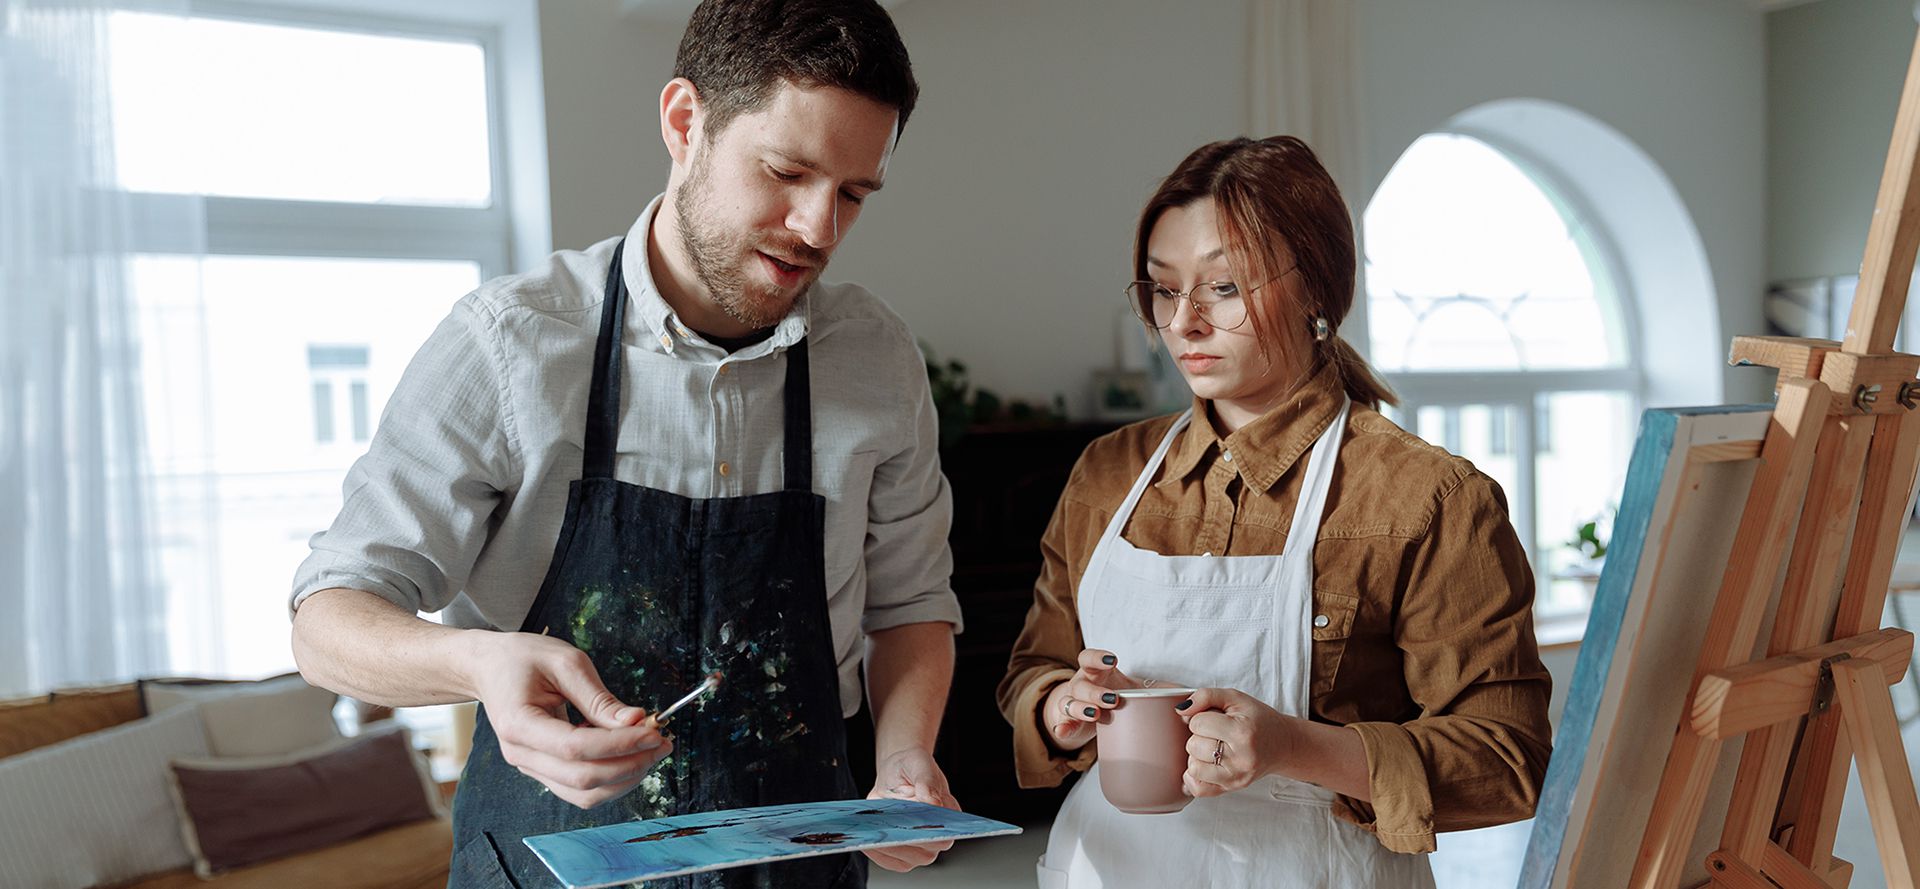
x,y
412,855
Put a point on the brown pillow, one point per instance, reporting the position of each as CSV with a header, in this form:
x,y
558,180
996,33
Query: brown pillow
x,y
31,723
240,811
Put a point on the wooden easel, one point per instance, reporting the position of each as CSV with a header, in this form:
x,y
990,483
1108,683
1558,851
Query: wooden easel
x,y
1839,464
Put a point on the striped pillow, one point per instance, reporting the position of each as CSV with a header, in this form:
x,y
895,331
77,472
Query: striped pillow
x,y
96,810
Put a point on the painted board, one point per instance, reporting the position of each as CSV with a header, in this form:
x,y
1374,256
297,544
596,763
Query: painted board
x,y
1686,488
683,844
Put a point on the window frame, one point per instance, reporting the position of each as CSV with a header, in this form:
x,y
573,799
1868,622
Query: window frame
x,y
513,229
495,236
1522,390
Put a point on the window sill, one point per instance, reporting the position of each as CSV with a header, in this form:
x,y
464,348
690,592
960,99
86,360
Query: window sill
x,y
1561,631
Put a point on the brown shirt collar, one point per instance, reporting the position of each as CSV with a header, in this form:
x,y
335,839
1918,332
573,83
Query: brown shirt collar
x,y
1266,448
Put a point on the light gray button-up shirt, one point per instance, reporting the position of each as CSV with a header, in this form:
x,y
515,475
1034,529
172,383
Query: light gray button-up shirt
x,y
459,499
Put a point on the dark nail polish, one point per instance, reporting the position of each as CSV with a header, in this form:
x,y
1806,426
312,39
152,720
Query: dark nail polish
x,y
1183,704
1090,711
1109,698
1109,660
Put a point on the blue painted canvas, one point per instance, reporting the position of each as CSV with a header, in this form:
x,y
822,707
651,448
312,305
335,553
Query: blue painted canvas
x,y
685,844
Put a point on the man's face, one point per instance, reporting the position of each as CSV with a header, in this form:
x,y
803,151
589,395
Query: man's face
x,y
767,199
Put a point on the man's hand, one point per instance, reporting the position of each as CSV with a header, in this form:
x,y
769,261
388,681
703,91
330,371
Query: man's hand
x,y
526,682
911,774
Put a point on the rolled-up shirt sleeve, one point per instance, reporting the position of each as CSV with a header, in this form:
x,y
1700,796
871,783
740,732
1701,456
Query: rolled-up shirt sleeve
x,y
1048,650
1477,753
909,513
416,507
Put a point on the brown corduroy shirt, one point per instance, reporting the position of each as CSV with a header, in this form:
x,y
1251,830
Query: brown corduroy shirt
x,y
1428,652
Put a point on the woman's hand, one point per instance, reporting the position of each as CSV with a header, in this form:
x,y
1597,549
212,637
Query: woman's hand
x,y
1237,739
1073,707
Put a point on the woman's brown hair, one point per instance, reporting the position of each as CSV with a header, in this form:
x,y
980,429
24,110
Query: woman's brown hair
x,y
1271,192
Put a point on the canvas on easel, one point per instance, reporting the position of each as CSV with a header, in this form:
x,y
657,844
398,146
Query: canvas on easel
x,y
1777,680
1646,625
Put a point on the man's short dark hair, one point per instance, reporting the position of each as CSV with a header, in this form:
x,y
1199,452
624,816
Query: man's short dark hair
x,y
736,53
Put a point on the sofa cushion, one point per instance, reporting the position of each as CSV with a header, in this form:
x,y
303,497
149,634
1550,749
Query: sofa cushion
x,y
30,723
410,856
271,717
96,810
241,811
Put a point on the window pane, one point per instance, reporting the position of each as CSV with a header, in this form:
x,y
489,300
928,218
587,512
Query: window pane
x,y
322,411
1580,470
300,113
1478,432
259,372
1472,265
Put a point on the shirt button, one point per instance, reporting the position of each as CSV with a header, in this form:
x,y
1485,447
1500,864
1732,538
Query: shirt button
x,y
723,369
1226,455
666,341
1319,620
723,471
683,331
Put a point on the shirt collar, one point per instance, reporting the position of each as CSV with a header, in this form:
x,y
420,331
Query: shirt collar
x,y
1266,448
654,323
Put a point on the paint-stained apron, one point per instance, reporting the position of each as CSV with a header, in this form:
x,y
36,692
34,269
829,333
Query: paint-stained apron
x,y
660,590
1243,622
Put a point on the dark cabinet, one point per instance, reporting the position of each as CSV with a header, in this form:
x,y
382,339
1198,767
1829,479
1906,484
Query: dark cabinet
x,y
1006,481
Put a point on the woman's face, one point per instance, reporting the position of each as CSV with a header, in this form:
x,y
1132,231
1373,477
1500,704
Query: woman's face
x,y
1224,365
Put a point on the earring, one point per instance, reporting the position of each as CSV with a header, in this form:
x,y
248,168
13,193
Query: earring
x,y
1320,330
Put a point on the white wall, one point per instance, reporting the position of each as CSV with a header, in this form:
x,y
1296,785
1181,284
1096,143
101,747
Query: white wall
x,y
1834,71
1006,225
1682,79
603,72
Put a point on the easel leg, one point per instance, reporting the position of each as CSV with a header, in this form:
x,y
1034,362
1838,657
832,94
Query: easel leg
x,y
1886,495
1806,599
1867,710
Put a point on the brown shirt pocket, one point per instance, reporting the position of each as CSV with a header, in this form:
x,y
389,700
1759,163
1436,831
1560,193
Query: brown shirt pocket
x,y
1332,626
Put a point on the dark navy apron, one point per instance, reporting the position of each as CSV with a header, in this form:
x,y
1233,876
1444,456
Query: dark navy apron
x,y
661,590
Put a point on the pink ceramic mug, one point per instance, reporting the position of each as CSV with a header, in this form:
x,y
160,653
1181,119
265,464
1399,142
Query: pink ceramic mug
x,y
1143,751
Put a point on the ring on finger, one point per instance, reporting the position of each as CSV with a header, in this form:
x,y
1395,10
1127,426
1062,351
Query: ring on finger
x,y
1219,752
1066,707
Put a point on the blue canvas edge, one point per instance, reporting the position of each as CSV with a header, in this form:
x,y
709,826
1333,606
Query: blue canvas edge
x,y
1000,828
1646,468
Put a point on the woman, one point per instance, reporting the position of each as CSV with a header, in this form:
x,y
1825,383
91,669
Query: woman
x,y
1352,602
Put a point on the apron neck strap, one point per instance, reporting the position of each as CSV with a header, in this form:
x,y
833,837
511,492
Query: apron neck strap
x,y
798,399
1120,515
1312,504
603,399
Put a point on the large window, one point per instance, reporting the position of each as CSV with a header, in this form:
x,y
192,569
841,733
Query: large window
x,y
351,175
1493,309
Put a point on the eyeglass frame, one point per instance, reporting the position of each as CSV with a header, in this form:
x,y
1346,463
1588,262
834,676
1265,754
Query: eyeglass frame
x,y
1134,301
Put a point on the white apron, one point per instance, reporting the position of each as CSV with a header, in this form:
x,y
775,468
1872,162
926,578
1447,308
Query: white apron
x,y
1243,622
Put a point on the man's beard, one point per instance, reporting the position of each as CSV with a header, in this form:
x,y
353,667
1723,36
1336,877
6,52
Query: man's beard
x,y
719,258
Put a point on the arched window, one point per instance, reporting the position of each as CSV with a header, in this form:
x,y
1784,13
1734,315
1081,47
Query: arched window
x,y
1495,310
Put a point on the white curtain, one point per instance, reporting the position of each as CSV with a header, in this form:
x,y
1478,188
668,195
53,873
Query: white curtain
x,y
1305,80
80,593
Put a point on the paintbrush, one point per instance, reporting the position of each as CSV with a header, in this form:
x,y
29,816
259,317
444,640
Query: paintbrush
x,y
712,682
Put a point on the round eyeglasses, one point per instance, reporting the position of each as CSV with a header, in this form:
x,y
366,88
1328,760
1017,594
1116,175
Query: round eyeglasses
x,y
1221,304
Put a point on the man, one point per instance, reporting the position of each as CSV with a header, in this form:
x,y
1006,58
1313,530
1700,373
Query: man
x,y
698,457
